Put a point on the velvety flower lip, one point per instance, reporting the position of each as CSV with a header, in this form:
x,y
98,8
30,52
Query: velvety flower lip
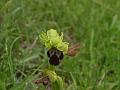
x,y
55,56
52,39
54,60
54,51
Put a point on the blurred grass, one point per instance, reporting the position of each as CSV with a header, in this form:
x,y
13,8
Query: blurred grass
x,y
95,24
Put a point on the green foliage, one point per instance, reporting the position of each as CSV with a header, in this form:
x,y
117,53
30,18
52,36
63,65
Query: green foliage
x,y
56,81
58,84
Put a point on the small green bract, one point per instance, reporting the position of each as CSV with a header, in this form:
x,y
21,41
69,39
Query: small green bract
x,y
57,82
53,39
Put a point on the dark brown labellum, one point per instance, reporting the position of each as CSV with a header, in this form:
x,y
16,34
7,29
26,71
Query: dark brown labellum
x,y
55,56
54,51
61,55
54,60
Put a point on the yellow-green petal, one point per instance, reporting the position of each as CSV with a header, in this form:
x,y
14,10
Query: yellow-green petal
x,y
53,39
63,46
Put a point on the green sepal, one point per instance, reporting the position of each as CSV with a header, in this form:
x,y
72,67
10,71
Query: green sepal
x,y
53,39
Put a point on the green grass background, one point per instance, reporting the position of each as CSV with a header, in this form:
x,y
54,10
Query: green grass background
x,y
95,24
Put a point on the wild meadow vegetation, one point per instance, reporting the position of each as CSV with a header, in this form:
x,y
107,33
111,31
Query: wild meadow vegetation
x,y
94,24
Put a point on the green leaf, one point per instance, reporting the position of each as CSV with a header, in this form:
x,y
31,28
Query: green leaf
x,y
58,84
